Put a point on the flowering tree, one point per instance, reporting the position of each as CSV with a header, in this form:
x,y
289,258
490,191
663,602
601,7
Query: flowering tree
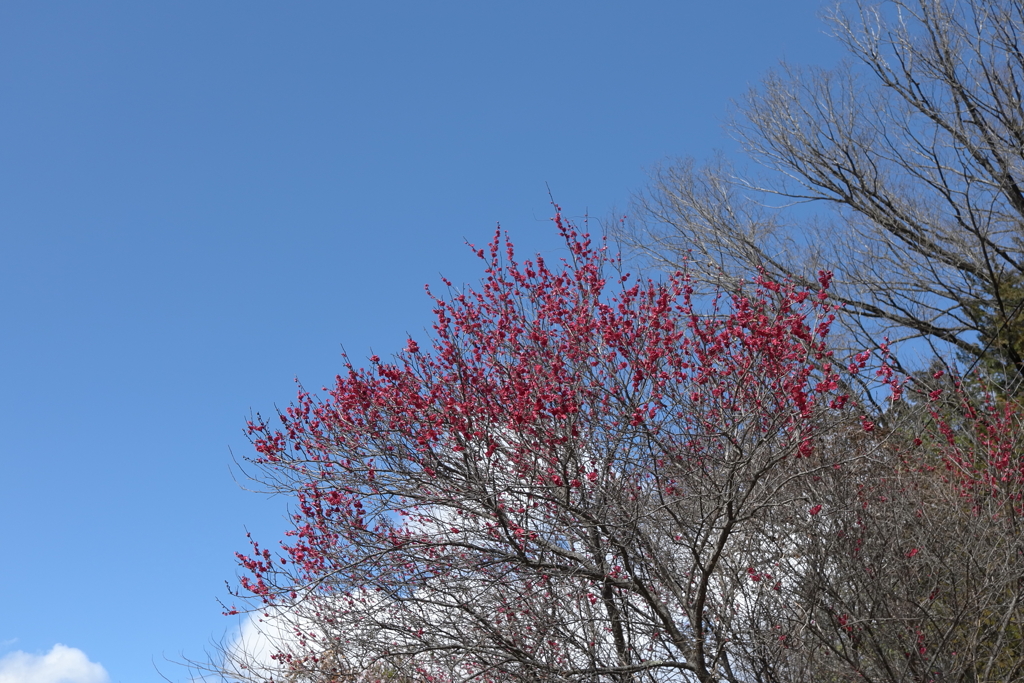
x,y
912,569
586,479
582,477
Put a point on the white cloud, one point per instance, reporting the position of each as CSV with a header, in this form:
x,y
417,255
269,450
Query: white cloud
x,y
62,664
263,634
257,640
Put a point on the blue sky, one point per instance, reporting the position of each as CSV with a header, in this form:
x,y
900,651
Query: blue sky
x,y
202,201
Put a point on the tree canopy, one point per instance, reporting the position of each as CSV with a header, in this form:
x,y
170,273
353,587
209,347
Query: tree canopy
x,y
587,477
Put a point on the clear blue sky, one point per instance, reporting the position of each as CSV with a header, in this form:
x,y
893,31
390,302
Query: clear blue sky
x,y
201,201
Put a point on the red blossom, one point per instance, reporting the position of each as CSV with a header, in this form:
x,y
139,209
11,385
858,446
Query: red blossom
x,y
525,445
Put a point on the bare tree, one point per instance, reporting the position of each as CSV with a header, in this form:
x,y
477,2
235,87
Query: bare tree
x,y
913,153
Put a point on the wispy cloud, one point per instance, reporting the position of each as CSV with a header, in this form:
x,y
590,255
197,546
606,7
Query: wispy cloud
x,y
62,664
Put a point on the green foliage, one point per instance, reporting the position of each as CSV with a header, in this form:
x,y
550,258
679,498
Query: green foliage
x,y
999,317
